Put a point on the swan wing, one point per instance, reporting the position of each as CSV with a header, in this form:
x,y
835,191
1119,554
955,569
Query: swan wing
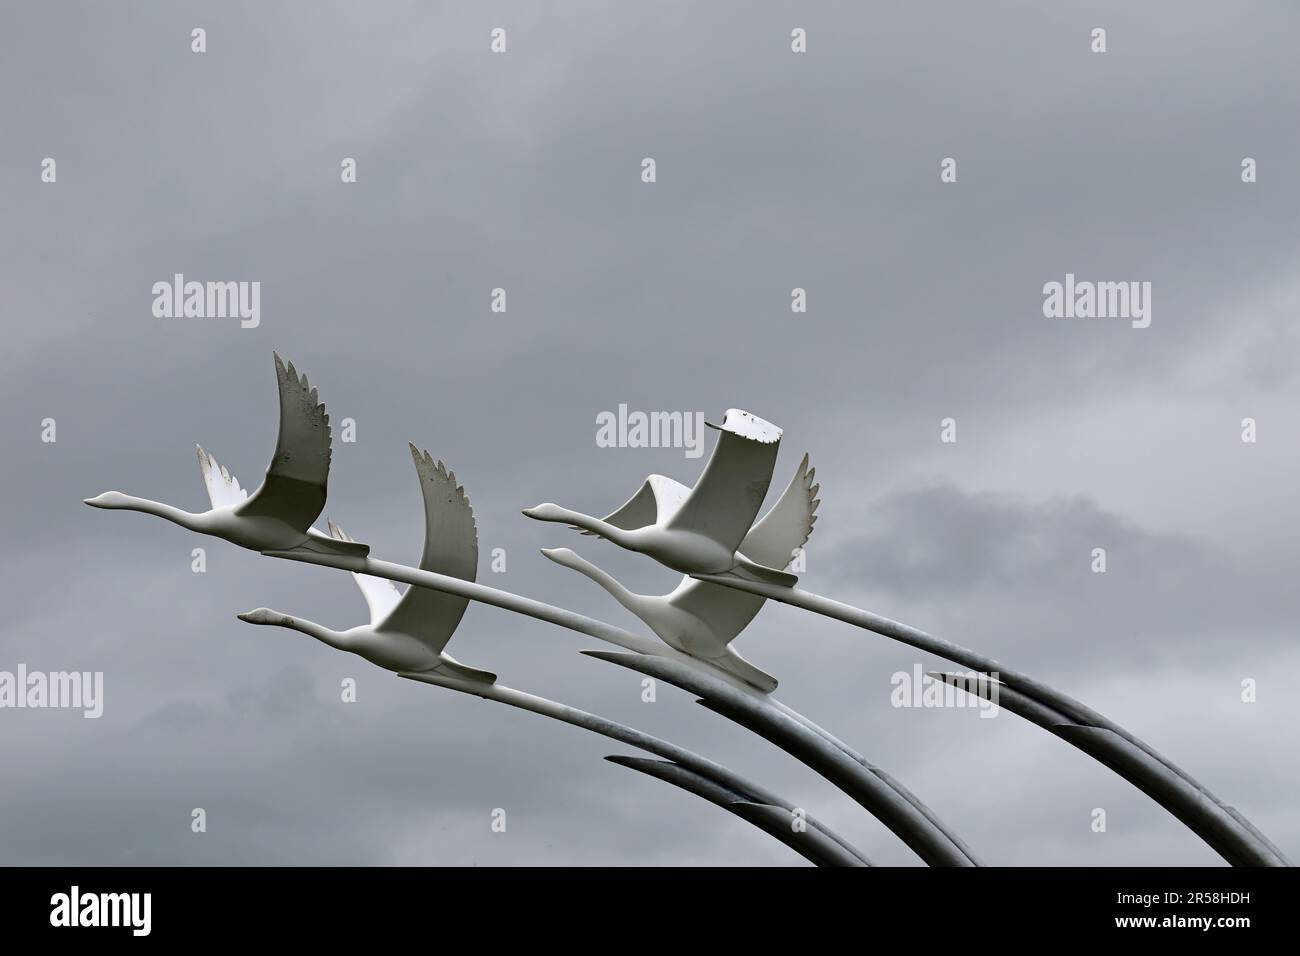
x,y
294,488
724,611
786,526
789,523
450,547
656,501
381,594
726,499
223,487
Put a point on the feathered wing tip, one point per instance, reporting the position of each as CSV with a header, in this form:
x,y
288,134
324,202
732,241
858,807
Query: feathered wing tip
x,y
787,526
294,386
813,500
803,477
294,381
222,487
433,470
381,595
450,528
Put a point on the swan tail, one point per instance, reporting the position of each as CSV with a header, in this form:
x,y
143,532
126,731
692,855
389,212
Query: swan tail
x,y
324,544
734,664
746,568
452,668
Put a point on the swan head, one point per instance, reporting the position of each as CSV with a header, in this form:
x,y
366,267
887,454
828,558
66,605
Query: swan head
x,y
547,512
109,499
262,615
563,556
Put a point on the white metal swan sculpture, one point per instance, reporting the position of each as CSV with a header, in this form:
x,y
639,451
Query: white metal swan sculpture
x,y
408,631
701,619
278,515
697,530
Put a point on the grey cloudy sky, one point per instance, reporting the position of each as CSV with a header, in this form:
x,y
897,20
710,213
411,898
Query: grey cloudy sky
x,y
775,170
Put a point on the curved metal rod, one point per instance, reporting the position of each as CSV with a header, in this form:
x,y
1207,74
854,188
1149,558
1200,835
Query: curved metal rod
x,y
889,779
776,821
1216,824
929,841
683,768
907,817
1221,826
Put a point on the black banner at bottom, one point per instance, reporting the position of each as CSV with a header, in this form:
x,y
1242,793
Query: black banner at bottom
x,y
300,905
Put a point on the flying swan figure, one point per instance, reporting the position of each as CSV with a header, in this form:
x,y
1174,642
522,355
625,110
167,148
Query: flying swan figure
x,y
278,515
701,619
408,631
697,530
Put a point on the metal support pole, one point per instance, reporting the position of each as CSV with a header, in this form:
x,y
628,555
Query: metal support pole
x,y
682,768
1221,826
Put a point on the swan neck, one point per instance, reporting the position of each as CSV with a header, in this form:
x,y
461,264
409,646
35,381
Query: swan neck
x,y
175,515
334,639
622,595
603,528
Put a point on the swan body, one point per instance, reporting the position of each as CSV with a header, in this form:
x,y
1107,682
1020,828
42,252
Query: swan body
x,y
701,619
409,630
279,514
696,530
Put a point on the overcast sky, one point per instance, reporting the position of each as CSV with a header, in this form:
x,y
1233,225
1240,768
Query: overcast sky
x,y
775,170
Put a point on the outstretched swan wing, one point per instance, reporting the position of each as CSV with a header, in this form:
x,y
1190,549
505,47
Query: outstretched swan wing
x,y
725,611
656,500
789,523
223,488
294,488
726,499
450,547
380,593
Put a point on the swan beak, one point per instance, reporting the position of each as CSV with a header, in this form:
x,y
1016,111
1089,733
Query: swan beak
x,y
99,501
529,512
259,615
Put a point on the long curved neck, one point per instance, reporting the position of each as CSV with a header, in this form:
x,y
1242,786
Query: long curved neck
x,y
175,515
603,528
335,639
633,602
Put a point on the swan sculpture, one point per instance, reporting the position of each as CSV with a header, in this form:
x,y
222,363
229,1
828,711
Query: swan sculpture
x,y
701,619
278,515
408,631
697,530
